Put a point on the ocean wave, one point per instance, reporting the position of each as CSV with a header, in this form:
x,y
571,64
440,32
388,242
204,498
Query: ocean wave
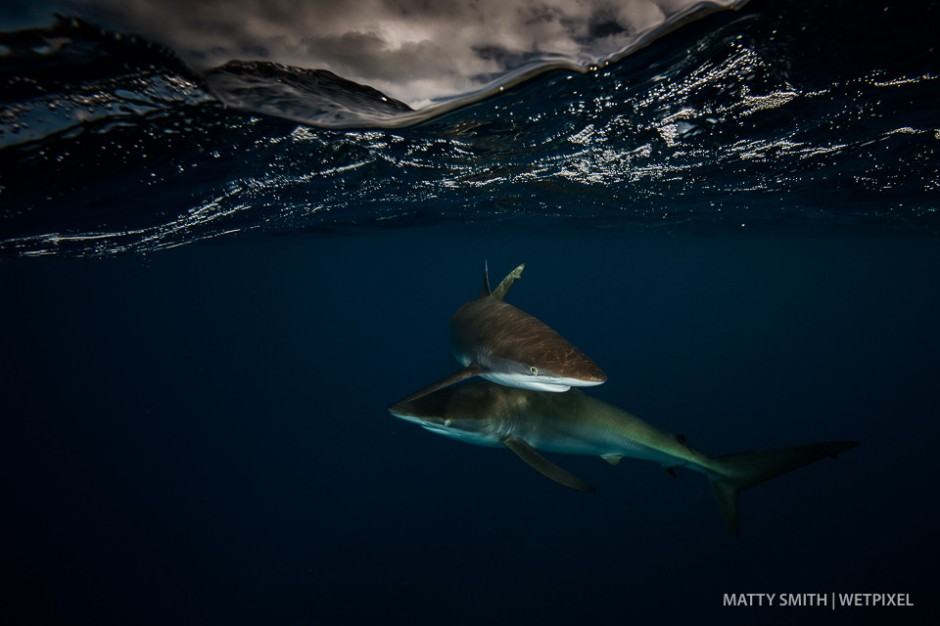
x,y
72,73
431,56
731,123
127,74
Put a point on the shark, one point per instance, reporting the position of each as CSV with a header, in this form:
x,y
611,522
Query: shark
x,y
530,422
497,341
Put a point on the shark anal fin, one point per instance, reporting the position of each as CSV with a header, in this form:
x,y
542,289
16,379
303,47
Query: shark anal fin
x,y
503,287
613,459
464,374
545,467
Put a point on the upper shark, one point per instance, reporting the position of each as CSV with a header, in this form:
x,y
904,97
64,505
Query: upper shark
x,y
528,421
499,342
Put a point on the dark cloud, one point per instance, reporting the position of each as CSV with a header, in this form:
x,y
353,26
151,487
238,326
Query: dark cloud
x,y
414,50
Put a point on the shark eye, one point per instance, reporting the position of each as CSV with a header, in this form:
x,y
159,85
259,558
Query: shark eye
x,y
534,370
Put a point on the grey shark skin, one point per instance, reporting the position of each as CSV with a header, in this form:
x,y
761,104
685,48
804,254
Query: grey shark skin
x,y
499,342
528,421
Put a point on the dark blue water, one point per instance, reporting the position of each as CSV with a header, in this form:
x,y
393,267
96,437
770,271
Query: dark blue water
x,y
201,435
196,367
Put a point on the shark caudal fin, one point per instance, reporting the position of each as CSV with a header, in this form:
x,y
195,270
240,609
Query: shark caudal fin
x,y
503,287
736,472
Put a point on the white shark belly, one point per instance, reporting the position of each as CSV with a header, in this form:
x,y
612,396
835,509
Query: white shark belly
x,y
558,438
524,381
572,445
511,374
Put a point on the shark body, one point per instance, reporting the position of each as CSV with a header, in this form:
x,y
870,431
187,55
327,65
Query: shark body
x,y
528,421
493,339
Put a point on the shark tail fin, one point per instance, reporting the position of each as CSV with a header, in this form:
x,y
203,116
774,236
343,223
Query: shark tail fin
x,y
736,472
503,287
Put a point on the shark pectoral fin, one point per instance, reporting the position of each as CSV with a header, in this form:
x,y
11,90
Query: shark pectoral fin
x,y
464,374
503,288
545,467
613,459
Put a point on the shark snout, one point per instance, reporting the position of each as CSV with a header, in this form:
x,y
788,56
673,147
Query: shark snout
x,y
420,410
584,374
403,410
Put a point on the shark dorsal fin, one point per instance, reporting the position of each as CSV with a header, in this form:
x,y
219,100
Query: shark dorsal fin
x,y
503,288
486,280
545,467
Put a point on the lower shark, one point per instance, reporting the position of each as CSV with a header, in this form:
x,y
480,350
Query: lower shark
x,y
527,422
495,340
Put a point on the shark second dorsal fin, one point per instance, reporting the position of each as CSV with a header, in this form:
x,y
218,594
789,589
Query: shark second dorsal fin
x,y
545,467
503,288
681,439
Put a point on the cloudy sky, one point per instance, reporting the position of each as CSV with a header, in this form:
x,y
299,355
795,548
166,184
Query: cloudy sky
x,y
413,50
